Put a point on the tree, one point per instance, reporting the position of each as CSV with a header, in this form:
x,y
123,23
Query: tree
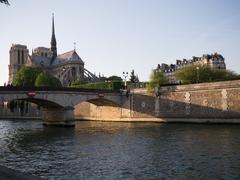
x,y
114,78
4,1
203,73
34,76
76,82
157,78
46,80
133,77
26,76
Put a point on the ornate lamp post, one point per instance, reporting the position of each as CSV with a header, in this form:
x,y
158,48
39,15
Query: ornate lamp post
x,y
64,69
125,75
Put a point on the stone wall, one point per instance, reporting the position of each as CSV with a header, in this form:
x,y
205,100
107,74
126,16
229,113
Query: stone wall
x,y
89,111
203,102
219,100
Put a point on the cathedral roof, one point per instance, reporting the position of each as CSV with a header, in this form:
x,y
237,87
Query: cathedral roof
x,y
41,60
64,58
42,48
70,56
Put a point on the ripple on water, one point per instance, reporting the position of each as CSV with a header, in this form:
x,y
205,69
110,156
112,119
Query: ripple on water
x,y
103,150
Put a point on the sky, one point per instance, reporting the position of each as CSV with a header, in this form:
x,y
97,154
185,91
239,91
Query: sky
x,y
115,36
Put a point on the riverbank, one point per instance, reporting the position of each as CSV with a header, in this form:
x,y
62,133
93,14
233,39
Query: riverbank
x,y
10,174
166,120
147,120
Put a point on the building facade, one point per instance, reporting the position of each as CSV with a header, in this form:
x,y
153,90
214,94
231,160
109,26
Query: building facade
x,y
67,67
215,61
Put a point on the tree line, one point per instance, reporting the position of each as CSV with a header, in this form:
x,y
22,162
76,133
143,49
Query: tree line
x,y
192,74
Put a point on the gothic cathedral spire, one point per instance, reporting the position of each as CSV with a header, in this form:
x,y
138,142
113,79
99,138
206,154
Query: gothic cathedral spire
x,y
53,41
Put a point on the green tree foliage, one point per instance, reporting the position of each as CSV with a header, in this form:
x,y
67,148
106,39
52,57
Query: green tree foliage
x,y
133,77
34,76
46,80
204,73
114,78
157,78
26,76
113,85
110,83
76,82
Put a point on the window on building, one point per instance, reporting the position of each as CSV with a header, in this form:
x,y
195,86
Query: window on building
x,y
22,56
18,56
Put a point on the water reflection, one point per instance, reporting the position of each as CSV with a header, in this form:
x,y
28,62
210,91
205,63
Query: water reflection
x,y
104,150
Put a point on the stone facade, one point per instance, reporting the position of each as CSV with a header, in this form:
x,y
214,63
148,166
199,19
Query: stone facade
x,y
18,57
215,60
219,100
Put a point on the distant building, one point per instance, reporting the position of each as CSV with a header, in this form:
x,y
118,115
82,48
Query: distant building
x,y
67,67
214,61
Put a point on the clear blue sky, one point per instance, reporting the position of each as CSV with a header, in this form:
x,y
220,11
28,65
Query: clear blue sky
x,y
113,36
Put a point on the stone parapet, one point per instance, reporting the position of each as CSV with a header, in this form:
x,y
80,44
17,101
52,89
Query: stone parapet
x,y
201,86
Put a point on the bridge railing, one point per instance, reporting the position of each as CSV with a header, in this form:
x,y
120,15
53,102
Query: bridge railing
x,y
19,88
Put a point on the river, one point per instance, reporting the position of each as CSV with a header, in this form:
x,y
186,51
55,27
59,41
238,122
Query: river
x,y
113,150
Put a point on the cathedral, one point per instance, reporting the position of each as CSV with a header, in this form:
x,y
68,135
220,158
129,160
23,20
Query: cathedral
x,y
67,67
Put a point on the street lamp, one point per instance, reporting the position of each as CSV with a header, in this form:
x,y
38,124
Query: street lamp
x,y
197,74
125,75
63,75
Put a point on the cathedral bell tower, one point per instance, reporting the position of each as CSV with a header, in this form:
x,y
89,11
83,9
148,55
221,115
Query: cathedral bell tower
x,y
18,58
53,41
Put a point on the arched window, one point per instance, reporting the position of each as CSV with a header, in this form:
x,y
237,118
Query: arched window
x,y
22,56
18,56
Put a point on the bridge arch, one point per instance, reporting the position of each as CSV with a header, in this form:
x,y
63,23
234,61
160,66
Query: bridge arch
x,y
58,104
103,102
41,102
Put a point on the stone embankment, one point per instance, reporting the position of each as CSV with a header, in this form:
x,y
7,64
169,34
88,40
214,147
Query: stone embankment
x,y
217,102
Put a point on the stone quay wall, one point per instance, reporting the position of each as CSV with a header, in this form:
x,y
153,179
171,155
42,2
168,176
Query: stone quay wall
x,y
204,102
217,102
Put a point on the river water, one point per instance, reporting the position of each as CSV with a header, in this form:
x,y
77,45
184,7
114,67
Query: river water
x,y
107,150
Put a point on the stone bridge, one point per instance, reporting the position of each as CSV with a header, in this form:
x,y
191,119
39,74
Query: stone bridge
x,y
217,102
58,104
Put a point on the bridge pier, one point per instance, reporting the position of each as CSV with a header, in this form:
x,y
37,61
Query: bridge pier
x,y
59,117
